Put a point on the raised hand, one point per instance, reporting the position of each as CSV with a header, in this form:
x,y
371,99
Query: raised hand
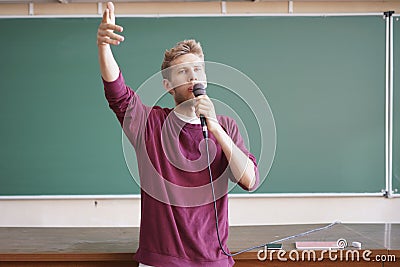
x,y
105,32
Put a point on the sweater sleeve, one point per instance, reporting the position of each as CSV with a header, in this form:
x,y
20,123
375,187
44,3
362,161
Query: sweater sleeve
x,y
127,106
233,131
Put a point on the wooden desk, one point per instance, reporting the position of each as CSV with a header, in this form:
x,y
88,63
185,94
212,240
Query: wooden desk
x,y
90,247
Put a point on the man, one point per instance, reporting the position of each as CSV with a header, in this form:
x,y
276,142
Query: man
x,y
177,210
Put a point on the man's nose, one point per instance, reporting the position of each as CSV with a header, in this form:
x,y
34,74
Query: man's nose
x,y
192,75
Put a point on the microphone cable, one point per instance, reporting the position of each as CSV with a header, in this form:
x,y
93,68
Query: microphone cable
x,y
259,246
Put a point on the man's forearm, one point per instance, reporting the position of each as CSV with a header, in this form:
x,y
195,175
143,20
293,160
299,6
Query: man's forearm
x,y
241,165
108,66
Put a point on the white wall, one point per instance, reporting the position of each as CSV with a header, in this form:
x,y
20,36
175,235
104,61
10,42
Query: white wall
x,y
125,211
208,7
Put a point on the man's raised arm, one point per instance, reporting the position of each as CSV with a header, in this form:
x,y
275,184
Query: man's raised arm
x,y
105,37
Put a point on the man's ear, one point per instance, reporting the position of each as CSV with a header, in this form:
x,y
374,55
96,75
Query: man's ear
x,y
168,86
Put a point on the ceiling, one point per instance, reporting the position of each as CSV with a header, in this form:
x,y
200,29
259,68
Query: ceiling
x,y
91,1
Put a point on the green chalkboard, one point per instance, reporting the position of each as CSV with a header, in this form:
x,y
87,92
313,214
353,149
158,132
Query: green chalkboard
x,y
396,107
323,78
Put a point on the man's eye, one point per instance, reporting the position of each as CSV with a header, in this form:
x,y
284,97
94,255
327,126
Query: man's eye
x,y
182,71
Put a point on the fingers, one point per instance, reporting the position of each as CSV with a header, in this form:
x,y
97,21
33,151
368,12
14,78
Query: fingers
x,y
106,40
111,14
204,106
105,16
110,27
105,33
110,6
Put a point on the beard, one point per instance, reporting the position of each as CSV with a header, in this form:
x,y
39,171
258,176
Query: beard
x,y
184,102
185,99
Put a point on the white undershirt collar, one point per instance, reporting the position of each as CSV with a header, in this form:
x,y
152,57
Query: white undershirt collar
x,y
191,120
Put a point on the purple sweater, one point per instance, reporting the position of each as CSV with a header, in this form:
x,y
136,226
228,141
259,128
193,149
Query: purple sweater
x,y
177,214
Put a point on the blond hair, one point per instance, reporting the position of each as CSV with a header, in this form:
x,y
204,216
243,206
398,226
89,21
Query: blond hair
x,y
180,49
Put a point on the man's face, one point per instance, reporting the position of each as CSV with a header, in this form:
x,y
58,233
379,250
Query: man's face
x,y
185,72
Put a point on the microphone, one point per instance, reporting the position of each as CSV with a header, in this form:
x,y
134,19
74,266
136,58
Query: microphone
x,y
199,89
